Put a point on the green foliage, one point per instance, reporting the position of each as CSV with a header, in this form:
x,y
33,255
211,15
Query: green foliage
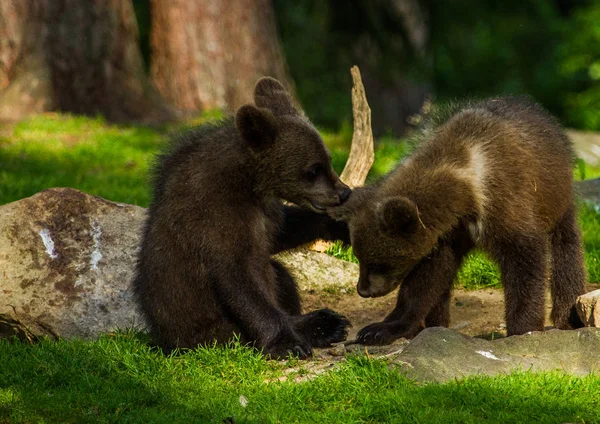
x,y
579,62
542,48
550,50
84,153
338,250
495,48
581,168
120,379
388,154
323,39
478,272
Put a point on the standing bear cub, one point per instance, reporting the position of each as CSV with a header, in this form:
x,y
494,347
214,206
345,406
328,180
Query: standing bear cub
x,y
496,175
204,270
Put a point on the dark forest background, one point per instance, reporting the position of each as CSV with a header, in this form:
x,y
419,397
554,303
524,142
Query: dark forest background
x,y
154,60
443,50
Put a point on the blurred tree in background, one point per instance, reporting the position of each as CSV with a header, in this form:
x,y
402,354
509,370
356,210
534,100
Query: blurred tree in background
x,y
208,54
76,56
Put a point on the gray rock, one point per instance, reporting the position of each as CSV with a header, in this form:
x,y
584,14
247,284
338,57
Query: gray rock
x,y
588,308
440,354
320,271
589,190
67,259
66,262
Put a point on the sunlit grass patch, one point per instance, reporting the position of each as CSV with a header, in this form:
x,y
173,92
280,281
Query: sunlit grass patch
x,y
478,272
589,218
82,153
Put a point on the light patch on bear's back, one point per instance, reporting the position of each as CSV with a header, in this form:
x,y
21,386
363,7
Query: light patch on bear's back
x,y
475,175
479,168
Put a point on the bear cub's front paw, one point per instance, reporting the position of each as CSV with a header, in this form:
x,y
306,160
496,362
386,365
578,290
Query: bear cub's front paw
x,y
380,333
286,343
322,327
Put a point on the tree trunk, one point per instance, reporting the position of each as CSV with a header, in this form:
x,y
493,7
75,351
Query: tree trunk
x,y
209,53
74,56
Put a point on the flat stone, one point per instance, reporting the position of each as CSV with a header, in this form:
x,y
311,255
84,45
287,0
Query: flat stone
x,y
319,271
440,354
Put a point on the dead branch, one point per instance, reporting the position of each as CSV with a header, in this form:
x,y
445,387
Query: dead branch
x,y
361,151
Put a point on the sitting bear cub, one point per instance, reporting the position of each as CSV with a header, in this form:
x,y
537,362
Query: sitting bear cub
x,y
204,269
496,175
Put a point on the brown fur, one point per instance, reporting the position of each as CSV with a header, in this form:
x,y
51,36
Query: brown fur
x,y
205,270
496,175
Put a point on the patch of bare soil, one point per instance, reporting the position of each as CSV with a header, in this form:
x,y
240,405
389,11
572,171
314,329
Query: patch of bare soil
x,y
477,313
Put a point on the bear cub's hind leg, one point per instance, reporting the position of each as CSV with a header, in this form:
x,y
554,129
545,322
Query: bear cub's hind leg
x,y
568,276
439,316
523,270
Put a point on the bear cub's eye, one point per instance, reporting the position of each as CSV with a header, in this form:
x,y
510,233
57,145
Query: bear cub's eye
x,y
314,171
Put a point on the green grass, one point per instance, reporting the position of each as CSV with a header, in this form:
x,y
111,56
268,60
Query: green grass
x,y
112,162
585,171
83,153
589,218
120,379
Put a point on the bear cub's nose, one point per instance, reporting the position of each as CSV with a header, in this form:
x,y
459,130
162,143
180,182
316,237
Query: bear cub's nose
x,y
345,194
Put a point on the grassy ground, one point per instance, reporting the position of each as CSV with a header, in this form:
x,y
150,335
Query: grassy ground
x,y
112,162
119,379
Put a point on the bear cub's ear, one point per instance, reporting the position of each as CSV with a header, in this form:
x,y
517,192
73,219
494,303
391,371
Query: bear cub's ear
x,y
271,94
256,126
398,216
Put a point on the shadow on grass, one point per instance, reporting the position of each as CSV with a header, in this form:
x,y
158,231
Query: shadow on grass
x,y
115,379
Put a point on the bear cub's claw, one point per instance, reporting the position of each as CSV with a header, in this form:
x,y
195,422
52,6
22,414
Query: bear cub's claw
x,y
380,333
323,327
285,344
